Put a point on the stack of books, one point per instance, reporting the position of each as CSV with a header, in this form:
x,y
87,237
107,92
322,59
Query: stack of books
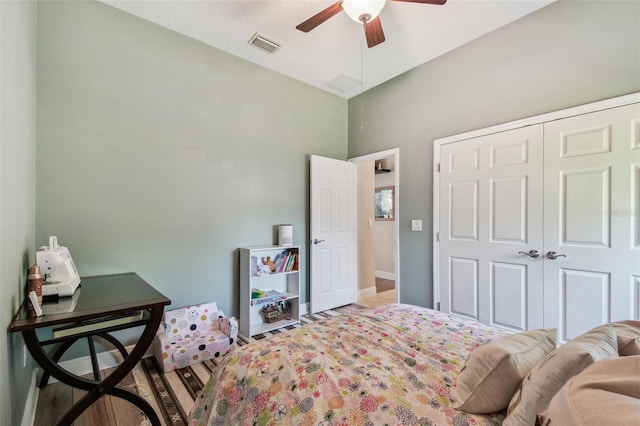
x,y
285,261
266,296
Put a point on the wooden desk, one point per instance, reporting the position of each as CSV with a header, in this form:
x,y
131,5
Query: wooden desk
x,y
101,297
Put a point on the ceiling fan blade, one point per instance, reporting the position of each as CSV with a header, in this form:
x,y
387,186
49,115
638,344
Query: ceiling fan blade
x,y
373,31
438,2
319,18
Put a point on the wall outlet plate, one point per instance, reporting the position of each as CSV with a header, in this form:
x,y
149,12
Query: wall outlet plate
x,y
416,225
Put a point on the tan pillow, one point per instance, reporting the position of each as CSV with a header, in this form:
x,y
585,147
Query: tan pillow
x,y
546,378
605,393
628,334
493,371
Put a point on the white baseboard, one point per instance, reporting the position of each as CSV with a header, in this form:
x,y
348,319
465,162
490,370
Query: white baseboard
x,y
108,359
385,275
29,414
366,292
304,308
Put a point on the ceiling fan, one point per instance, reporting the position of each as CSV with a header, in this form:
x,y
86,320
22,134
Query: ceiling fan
x,y
364,11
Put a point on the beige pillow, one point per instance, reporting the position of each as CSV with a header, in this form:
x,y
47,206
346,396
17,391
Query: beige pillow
x,y
546,378
493,371
605,393
628,334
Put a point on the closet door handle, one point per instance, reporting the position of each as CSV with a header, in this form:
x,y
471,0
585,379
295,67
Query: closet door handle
x,y
531,253
317,241
553,255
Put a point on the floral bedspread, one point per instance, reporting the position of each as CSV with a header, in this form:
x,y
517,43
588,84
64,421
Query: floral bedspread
x,y
394,365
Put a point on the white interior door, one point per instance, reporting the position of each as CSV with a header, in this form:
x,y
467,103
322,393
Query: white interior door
x,y
490,218
332,233
592,219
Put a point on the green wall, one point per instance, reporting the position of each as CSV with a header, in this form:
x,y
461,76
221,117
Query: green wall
x,y
17,193
160,155
566,54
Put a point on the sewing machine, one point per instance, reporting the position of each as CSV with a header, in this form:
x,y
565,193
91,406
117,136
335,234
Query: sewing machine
x,y
60,276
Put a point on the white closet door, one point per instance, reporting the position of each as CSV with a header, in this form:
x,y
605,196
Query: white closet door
x,y
591,216
490,212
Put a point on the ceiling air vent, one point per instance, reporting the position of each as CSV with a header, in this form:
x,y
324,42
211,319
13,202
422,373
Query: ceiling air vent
x,y
264,43
343,83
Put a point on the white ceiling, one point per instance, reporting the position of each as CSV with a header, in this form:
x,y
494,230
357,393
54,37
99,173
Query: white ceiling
x,y
335,52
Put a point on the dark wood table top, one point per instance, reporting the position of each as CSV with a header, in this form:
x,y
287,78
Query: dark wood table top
x,y
97,297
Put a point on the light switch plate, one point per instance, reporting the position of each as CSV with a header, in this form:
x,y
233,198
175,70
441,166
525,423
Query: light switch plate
x,y
416,225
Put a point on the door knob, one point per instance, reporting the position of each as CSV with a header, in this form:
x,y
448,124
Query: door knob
x,y
553,255
317,241
530,253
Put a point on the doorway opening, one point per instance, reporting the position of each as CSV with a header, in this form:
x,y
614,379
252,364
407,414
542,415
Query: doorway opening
x,y
377,231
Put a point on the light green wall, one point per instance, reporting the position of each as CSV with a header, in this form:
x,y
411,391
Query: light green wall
x,y
160,155
17,193
568,53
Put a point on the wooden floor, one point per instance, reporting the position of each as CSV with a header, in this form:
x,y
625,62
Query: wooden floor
x,y
383,296
56,398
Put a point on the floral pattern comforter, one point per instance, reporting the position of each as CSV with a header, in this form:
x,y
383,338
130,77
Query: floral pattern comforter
x,y
394,365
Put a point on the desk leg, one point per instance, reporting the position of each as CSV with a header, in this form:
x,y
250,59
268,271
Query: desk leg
x,y
56,357
94,359
67,344
108,385
115,342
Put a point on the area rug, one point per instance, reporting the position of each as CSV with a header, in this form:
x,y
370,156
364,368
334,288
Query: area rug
x,y
172,394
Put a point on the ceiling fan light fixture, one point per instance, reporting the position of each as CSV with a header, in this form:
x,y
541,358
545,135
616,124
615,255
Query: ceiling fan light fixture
x,y
363,11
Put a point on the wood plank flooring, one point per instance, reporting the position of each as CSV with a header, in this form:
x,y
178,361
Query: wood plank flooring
x,y
56,398
386,293
378,300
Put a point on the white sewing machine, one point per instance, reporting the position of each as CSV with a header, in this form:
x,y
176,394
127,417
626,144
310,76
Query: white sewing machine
x,y
62,304
60,276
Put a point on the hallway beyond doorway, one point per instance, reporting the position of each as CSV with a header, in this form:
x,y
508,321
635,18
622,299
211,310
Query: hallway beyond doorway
x,y
383,284
385,293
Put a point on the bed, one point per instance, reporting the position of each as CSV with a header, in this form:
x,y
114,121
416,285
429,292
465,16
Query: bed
x,y
391,365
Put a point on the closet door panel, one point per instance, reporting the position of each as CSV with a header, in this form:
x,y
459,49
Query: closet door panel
x,y
460,211
463,274
584,195
590,217
463,210
490,214
585,301
509,285
509,209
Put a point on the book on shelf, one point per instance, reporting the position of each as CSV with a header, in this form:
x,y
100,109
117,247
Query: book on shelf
x,y
290,262
285,259
280,260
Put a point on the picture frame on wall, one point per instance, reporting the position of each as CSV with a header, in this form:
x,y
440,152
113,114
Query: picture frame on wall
x,y
384,203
